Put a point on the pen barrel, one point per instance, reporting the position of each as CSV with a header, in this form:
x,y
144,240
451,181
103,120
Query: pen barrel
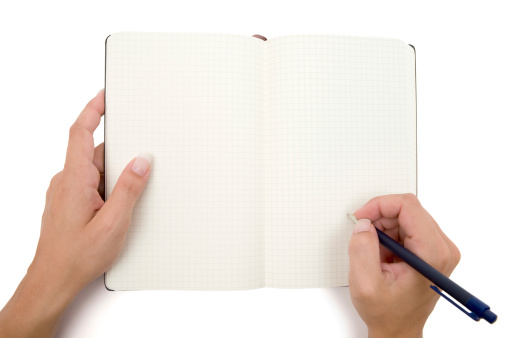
x,y
432,274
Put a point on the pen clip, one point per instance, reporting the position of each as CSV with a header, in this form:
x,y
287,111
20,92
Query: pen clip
x,y
469,314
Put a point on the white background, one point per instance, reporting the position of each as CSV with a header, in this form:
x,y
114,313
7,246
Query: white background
x,y
52,63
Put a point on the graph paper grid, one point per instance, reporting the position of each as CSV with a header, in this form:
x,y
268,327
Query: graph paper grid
x,y
260,149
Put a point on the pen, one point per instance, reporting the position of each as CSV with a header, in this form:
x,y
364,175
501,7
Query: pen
x,y
477,307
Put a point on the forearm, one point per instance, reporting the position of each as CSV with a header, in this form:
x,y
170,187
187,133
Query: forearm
x,y
36,307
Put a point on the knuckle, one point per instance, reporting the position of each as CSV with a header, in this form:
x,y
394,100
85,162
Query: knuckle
x,y
53,184
411,198
456,254
448,258
443,257
76,129
90,175
93,199
97,203
54,180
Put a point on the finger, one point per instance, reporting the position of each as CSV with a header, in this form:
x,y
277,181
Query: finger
x,y
98,162
413,218
444,236
386,223
92,113
386,255
80,150
98,157
49,196
455,254
417,230
102,186
127,190
365,273
391,226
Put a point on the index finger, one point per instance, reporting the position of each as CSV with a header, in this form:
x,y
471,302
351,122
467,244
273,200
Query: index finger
x,y
80,149
406,208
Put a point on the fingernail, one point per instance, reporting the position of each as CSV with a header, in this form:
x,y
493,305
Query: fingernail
x,y
141,164
100,91
362,225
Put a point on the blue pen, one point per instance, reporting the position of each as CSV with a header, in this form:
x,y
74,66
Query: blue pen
x,y
478,308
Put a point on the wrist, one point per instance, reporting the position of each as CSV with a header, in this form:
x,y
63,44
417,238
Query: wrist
x,y
389,333
37,305
53,290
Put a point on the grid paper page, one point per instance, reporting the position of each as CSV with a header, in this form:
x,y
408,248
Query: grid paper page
x,y
192,101
340,128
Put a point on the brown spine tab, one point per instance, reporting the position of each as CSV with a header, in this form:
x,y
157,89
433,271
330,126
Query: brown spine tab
x,y
258,36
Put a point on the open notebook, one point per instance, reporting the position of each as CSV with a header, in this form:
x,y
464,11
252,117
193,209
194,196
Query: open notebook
x,y
260,148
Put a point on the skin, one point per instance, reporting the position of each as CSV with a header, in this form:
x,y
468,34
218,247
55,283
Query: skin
x,y
81,236
392,298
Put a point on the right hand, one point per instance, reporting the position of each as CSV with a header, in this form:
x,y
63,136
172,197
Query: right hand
x,y
391,297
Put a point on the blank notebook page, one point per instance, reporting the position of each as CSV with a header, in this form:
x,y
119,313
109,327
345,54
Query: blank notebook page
x,y
194,102
260,149
340,128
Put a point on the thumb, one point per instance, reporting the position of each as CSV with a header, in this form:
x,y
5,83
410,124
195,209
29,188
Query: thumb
x,y
364,257
129,187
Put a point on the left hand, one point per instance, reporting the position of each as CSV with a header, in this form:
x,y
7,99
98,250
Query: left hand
x,y
81,235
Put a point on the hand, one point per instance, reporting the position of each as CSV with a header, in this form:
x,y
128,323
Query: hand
x,y
81,235
393,299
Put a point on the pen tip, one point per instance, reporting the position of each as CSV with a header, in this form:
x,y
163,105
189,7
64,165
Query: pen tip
x,y
352,217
